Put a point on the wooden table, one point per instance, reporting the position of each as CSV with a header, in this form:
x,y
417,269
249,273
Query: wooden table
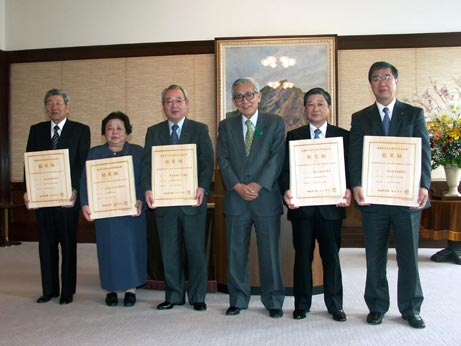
x,y
4,236
443,221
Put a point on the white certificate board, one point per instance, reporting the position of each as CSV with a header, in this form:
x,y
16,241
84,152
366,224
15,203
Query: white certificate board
x,y
48,181
317,171
174,175
391,170
111,187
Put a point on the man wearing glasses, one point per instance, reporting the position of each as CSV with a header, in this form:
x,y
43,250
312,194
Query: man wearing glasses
x,y
322,223
182,222
390,117
251,153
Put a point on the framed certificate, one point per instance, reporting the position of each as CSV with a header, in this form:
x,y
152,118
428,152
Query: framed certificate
x,y
48,181
317,172
111,187
174,175
391,170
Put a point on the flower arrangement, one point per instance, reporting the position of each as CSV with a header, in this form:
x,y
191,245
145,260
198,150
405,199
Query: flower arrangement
x,y
443,123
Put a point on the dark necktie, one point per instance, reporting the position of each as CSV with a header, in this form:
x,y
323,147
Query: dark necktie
x,y
55,138
174,134
317,133
386,121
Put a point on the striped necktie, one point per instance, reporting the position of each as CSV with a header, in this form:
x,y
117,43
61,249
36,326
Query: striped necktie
x,y
317,133
55,138
249,137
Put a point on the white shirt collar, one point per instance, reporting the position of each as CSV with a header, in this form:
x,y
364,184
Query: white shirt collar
x,y
61,125
180,123
254,119
322,128
390,106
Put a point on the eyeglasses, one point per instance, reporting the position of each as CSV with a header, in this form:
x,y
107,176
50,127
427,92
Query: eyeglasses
x,y
173,101
249,96
385,77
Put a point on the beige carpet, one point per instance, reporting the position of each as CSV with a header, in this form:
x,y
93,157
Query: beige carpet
x,y
87,321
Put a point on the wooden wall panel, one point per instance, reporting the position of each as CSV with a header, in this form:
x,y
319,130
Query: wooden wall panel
x,y
4,134
141,67
133,85
98,87
147,77
28,85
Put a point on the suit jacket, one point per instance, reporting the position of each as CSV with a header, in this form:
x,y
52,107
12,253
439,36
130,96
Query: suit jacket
x,y
407,121
329,212
74,136
192,132
262,166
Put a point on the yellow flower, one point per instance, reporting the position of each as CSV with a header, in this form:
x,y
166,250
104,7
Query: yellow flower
x,y
454,133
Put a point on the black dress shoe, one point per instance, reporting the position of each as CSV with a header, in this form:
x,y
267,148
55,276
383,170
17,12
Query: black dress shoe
x,y
375,317
130,299
275,313
66,300
232,311
415,321
111,299
456,256
166,305
44,299
442,256
199,306
299,314
339,315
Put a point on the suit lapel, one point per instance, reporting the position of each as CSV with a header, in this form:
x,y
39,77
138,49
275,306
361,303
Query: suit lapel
x,y
258,139
397,116
185,132
307,135
376,124
66,135
164,133
330,131
237,134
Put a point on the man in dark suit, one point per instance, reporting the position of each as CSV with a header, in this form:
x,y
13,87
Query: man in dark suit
x,y
188,222
251,152
405,121
58,225
316,222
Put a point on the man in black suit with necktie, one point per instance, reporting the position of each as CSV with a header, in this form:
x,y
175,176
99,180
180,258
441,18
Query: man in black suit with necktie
x,y
250,152
181,222
389,116
316,222
58,225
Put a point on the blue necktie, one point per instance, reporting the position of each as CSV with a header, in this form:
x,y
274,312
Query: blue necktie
x,y
174,134
386,121
317,133
55,138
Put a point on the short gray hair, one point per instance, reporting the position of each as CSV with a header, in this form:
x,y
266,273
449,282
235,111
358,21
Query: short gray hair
x,y
245,81
174,87
53,92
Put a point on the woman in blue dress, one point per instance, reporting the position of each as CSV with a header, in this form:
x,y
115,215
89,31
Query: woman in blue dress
x,y
120,241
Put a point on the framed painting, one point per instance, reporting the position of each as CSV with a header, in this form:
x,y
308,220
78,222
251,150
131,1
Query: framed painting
x,y
284,67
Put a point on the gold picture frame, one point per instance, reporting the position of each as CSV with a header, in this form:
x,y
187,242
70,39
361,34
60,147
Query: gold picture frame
x,y
284,67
